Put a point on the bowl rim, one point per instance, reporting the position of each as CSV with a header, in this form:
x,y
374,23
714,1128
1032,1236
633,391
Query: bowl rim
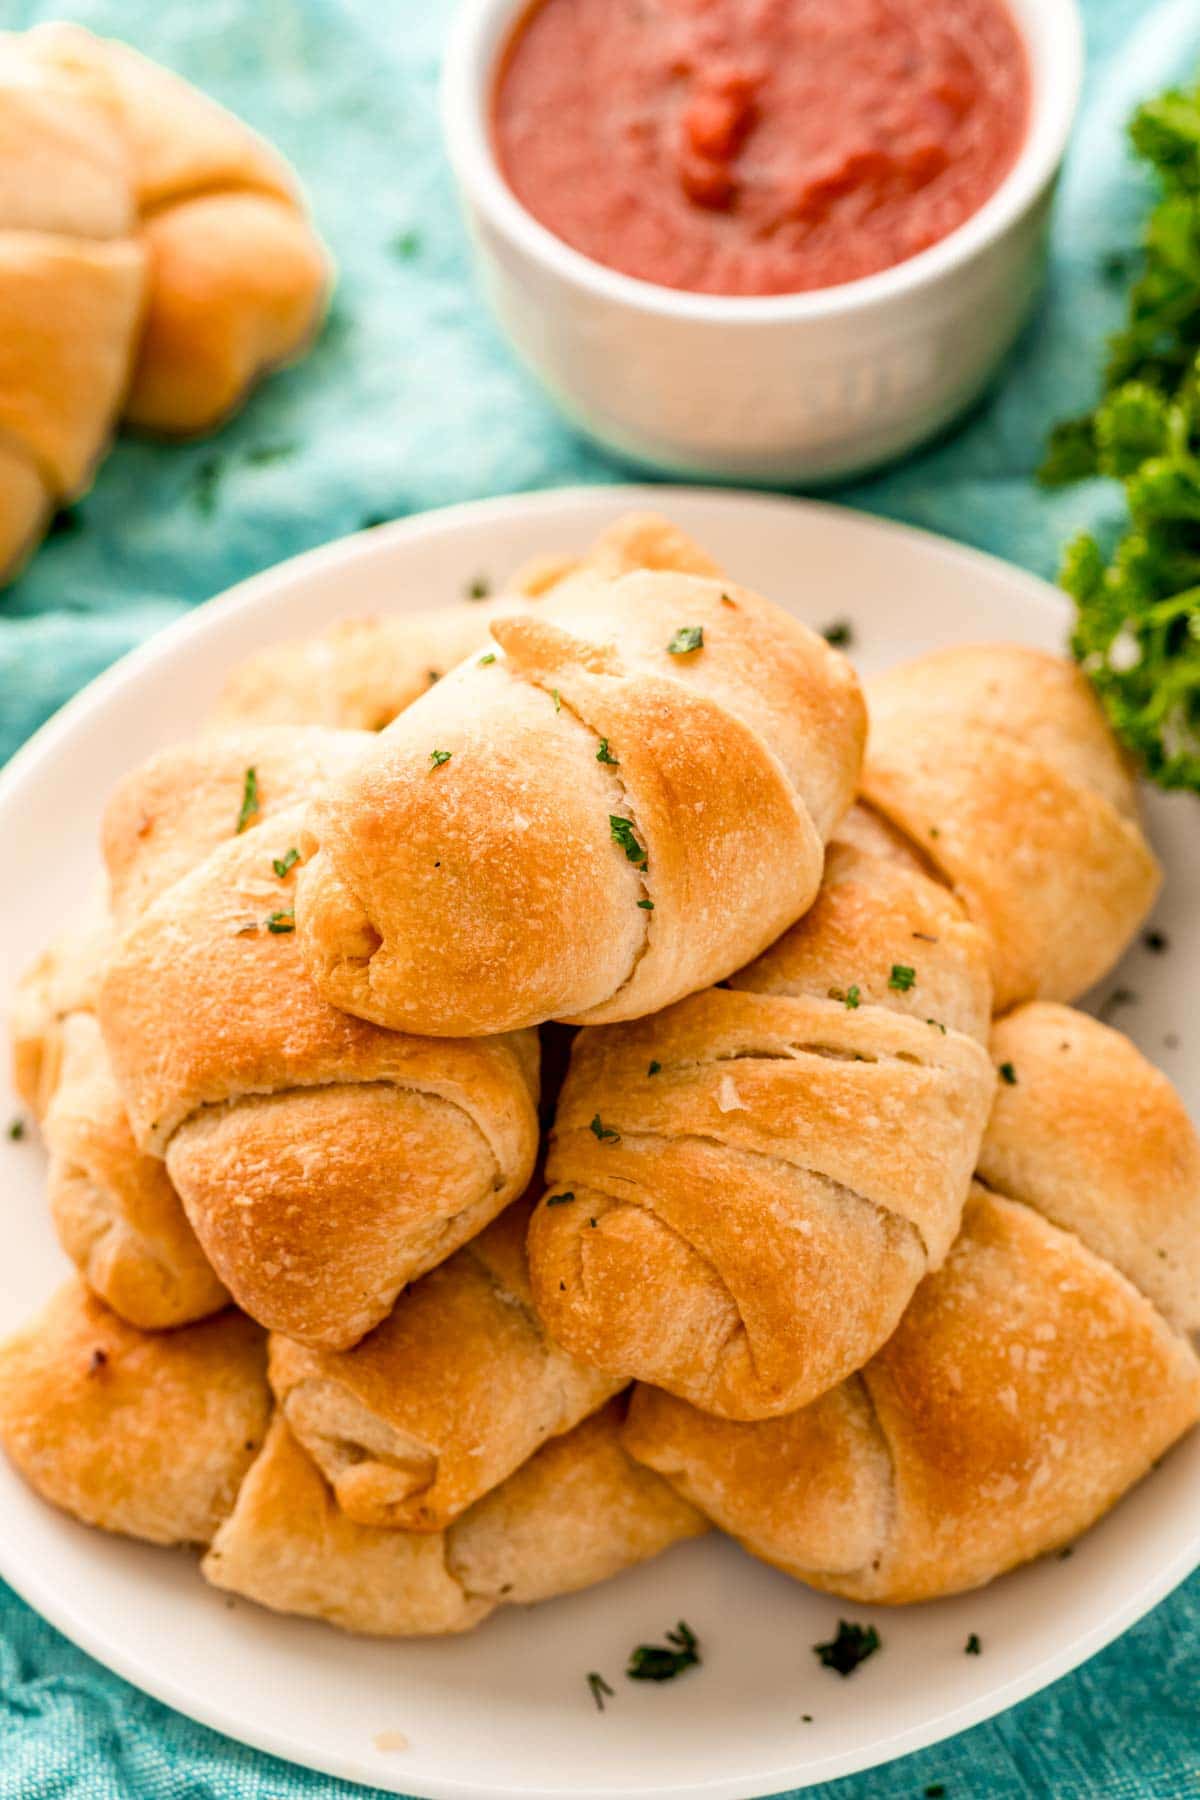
x,y
481,26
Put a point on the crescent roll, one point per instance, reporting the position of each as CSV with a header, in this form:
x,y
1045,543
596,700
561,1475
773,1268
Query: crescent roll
x,y
578,1512
63,979
323,1163
360,673
1035,1377
148,1434
115,1212
457,1387
997,761
114,1209
237,278
746,1189
166,815
626,799
72,289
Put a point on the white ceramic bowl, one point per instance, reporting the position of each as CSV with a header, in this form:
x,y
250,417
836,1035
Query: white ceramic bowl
x,y
793,387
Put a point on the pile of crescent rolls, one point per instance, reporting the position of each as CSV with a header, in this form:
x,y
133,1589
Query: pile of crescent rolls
x,y
841,1231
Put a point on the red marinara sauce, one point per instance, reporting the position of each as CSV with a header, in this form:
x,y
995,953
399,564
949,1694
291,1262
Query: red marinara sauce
x,y
758,146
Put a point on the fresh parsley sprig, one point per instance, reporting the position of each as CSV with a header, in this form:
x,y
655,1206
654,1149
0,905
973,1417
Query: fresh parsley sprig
x,y
1137,627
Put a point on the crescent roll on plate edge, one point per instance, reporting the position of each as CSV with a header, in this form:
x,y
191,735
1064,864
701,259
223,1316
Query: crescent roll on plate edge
x,y
167,1436
624,800
1034,1378
113,1207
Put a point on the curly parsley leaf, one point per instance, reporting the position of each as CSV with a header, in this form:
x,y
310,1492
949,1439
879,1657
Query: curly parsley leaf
x,y
1137,627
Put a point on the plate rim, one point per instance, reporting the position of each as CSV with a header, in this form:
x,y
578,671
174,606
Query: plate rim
x,y
58,1608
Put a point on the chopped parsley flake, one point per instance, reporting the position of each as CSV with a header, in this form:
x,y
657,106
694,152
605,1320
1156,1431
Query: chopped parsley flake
x,y
654,1069
281,864
973,1647
555,696
558,1199
438,757
605,755
1008,1074
902,978
686,639
1156,941
600,1690
624,835
489,658
939,1025
850,997
16,1130
646,905
603,1132
250,801
852,1646
479,588
662,1662
840,634
280,922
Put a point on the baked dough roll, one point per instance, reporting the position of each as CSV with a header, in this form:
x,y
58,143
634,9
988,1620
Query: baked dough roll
x,y
356,674
115,1212
360,673
746,1189
1032,1380
998,763
166,815
323,1163
624,801
578,1512
457,1387
114,1209
238,279
63,979
72,286
148,1434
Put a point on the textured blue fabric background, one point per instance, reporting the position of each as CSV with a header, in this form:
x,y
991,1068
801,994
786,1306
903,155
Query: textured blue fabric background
x,y
412,401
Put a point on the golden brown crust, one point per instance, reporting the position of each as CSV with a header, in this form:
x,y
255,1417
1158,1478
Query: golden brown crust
x,y
761,1175
577,1513
148,1434
359,673
1098,1141
730,765
238,284
116,1214
72,280
164,817
238,279
322,1162
457,1387
289,1546
1029,1383
996,760
64,978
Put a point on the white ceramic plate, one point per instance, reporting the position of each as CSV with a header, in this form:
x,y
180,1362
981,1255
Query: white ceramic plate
x,y
507,1711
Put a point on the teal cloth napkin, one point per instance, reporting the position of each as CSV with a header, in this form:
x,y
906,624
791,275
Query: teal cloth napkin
x,y
411,400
